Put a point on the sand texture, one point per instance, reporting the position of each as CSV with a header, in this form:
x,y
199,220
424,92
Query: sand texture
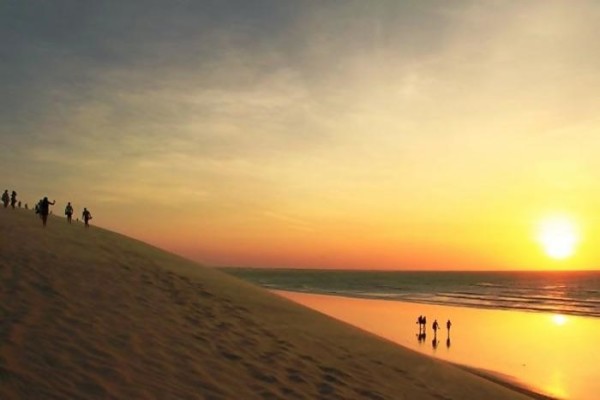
x,y
90,314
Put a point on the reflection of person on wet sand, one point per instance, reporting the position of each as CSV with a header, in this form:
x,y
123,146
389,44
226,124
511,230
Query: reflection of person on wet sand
x,y
435,327
421,322
448,342
422,335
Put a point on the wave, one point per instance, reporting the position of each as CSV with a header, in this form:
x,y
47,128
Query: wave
x,y
582,307
576,293
589,308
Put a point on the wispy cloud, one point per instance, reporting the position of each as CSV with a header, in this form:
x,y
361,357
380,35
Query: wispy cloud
x,y
283,108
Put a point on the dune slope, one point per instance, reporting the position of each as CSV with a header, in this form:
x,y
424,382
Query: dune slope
x,y
92,314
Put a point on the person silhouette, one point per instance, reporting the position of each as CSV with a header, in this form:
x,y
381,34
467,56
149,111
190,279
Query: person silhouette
x,y
86,215
69,211
13,199
448,326
435,327
5,198
45,209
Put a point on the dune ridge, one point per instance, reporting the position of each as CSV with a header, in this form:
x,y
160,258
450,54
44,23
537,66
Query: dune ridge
x,y
89,314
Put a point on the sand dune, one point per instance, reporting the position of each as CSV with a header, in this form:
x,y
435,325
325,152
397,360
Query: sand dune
x,y
89,314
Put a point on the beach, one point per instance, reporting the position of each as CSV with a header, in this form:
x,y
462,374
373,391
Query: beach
x,y
553,354
89,313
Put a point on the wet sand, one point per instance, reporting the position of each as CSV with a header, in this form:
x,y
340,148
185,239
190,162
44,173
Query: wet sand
x,y
553,354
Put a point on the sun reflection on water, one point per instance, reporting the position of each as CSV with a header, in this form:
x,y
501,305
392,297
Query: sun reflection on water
x,y
556,387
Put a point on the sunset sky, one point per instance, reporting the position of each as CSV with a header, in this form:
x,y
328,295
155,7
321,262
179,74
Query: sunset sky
x,y
346,134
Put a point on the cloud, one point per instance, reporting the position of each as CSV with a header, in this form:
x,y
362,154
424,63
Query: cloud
x,y
280,109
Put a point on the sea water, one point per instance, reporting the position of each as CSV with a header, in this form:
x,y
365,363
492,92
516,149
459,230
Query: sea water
x,y
559,292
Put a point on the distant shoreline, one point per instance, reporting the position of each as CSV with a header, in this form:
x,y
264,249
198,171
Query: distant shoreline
x,y
477,307
575,293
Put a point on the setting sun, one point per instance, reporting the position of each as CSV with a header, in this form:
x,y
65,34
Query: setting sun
x,y
558,236
559,319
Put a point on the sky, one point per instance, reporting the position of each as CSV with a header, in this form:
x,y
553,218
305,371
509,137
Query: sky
x,y
327,134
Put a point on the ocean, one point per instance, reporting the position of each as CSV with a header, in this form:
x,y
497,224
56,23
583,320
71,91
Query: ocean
x,y
560,292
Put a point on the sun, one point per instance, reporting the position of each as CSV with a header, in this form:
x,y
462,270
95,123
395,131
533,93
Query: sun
x,y
559,319
558,236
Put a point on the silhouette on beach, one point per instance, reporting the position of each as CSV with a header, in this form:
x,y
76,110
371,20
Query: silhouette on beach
x,y
422,334
435,327
69,211
422,321
86,215
5,198
44,209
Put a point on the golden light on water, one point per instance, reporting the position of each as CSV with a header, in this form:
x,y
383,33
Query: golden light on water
x,y
552,351
558,237
555,386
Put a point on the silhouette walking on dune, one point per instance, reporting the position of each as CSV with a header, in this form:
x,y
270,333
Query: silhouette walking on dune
x,y
45,209
13,199
69,211
5,198
86,215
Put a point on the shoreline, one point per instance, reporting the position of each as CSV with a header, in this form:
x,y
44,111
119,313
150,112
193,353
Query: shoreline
x,y
502,346
534,291
497,377
507,381
482,307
